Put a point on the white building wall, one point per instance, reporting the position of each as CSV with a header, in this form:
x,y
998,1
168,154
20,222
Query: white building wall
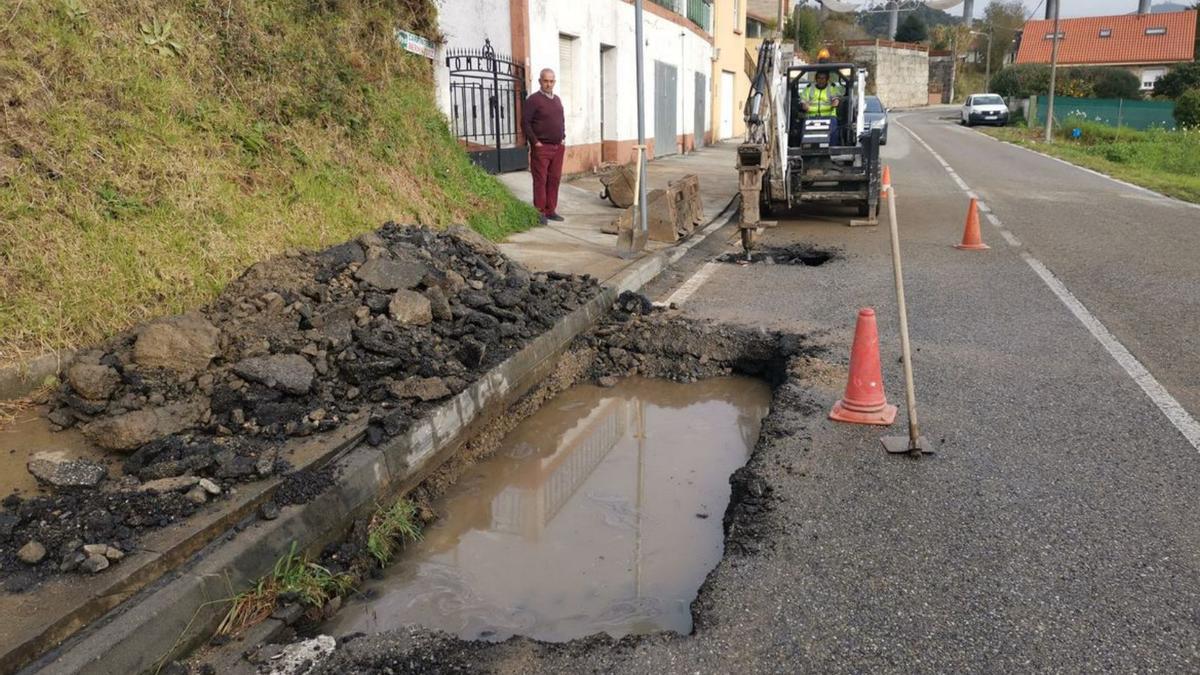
x,y
610,22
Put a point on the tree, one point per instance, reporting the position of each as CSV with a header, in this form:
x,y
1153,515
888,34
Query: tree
x,y
876,23
1001,18
1181,78
809,23
1187,109
912,29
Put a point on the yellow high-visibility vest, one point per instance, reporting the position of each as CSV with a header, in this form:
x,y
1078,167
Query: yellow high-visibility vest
x,y
820,101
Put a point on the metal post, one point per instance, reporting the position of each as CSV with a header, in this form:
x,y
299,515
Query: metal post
x,y
893,19
1053,74
953,66
1120,114
987,85
641,115
987,73
494,99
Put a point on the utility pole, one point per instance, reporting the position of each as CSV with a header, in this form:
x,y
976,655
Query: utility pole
x,y
639,56
1053,73
893,19
968,12
987,84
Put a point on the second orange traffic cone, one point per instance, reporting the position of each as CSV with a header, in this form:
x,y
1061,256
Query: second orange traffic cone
x,y
972,240
864,401
887,180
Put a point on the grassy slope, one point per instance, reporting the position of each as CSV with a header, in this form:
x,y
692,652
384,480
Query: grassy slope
x,y
1163,161
137,180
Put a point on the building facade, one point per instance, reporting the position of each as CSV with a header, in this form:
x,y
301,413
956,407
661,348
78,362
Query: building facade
x,y
590,45
730,83
1148,45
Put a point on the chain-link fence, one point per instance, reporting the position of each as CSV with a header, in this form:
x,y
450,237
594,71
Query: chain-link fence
x,y
1115,112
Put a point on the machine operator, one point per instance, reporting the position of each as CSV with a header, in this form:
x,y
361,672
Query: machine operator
x,y
821,99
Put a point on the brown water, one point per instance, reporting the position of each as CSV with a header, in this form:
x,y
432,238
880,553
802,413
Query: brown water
x,y
600,513
30,434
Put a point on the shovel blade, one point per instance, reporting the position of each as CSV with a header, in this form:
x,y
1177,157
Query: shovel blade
x,y
631,242
903,445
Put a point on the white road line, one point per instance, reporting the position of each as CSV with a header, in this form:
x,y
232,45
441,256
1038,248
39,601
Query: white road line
x,y
1008,236
1174,412
692,285
993,219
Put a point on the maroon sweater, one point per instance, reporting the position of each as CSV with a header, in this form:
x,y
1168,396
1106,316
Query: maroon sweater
x,y
542,119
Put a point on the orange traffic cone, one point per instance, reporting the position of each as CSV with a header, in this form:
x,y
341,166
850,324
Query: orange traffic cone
x,y
887,180
864,401
972,241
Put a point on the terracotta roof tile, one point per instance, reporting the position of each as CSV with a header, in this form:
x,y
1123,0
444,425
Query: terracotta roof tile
x,y
1128,43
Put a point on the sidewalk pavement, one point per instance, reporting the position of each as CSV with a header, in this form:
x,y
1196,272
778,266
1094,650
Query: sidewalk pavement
x,y
578,246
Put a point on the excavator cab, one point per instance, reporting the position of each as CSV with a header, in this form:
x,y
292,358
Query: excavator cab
x,y
817,130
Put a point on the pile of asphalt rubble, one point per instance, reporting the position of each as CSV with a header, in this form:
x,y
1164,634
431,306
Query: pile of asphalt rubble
x,y
377,329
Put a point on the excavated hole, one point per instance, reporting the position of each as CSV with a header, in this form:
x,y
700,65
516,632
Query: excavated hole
x,y
533,525
600,513
796,254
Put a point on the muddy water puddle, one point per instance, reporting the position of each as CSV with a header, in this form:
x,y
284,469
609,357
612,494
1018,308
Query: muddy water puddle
x,y
28,434
600,513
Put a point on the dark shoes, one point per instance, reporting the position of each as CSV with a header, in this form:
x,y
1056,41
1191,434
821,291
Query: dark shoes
x,y
555,217
541,220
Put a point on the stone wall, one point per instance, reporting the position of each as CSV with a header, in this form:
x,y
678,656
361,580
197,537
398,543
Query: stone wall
x,y
941,69
899,72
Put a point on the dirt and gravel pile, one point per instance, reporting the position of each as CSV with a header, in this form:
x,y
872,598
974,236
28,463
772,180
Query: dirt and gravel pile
x,y
374,331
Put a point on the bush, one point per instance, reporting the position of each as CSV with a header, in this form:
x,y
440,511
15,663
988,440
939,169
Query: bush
x,y
1181,79
1117,83
1022,81
1033,79
1187,109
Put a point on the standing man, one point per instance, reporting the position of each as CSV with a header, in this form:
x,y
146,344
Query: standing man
x,y
544,126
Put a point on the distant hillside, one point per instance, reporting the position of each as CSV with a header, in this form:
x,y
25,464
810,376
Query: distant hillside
x,y
1168,7
876,23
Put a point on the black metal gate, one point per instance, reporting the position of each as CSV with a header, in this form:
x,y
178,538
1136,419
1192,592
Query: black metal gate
x,y
486,94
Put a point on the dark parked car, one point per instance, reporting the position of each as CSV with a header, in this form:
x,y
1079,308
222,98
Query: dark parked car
x,y
877,117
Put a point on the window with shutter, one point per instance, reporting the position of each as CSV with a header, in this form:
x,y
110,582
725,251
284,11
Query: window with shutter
x,y
566,65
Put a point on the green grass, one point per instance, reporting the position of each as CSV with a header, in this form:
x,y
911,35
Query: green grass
x,y
136,181
1163,161
390,528
293,575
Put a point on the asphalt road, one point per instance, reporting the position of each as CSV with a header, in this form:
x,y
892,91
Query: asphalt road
x,y
1057,528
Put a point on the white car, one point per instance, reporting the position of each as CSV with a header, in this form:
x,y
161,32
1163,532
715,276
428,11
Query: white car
x,y
984,109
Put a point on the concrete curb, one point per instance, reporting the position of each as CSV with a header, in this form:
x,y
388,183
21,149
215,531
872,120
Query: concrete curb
x,y
22,379
181,610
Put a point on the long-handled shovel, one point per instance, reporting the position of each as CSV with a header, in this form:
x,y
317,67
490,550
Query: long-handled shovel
x,y
915,444
632,240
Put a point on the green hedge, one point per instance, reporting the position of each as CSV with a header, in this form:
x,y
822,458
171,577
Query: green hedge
x,y
1033,79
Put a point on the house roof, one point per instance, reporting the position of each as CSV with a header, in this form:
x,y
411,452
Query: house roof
x,y
1080,40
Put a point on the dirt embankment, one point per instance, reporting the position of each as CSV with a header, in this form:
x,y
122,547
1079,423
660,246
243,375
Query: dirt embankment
x,y
371,332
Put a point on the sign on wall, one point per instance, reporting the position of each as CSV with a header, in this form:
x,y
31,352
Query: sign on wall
x,y
415,44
